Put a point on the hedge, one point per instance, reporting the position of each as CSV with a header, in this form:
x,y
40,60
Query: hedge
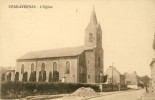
x,y
18,89
21,89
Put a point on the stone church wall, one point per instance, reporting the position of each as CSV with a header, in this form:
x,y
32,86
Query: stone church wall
x,y
90,64
82,75
27,67
98,64
61,66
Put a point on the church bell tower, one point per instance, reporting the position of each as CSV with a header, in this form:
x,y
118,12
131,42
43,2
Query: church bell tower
x,y
93,32
94,57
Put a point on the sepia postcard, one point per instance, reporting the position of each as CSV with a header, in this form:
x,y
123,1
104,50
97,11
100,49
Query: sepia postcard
x,y
77,49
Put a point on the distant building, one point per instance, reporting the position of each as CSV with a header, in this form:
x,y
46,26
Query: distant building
x,y
7,74
122,79
83,64
131,80
113,75
152,66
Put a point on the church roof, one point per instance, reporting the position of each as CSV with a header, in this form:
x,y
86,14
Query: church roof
x,y
62,52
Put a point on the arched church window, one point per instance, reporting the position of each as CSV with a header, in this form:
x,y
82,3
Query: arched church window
x,y
67,67
88,76
88,62
32,67
99,60
54,66
43,67
22,69
90,37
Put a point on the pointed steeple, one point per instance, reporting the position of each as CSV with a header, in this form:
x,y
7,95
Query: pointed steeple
x,y
93,19
99,26
93,32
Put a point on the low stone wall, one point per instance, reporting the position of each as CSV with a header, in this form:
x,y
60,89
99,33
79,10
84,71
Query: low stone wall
x,y
110,87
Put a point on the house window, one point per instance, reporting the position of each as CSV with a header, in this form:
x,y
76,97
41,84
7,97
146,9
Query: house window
x,y
43,67
67,67
88,76
54,66
90,37
22,69
32,67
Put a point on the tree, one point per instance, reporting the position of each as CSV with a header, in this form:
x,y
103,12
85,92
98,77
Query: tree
x,y
104,78
42,76
17,76
9,77
55,76
50,77
3,77
24,77
144,79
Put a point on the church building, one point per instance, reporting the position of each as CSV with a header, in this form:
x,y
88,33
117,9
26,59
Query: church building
x,y
82,64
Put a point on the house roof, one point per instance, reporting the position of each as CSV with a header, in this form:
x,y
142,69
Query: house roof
x,y
112,68
62,52
131,78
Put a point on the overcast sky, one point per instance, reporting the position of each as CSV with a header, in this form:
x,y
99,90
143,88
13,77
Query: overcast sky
x,y
127,30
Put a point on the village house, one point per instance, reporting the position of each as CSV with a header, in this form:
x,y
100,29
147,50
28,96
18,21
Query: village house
x,y
113,75
131,80
152,66
82,64
122,79
7,74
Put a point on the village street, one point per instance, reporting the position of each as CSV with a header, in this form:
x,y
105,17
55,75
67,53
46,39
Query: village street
x,y
127,95
118,95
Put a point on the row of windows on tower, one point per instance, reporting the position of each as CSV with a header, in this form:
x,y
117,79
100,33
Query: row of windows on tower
x,y
91,38
43,66
99,60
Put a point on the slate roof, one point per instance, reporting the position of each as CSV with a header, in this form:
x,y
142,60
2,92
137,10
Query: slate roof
x,y
62,52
